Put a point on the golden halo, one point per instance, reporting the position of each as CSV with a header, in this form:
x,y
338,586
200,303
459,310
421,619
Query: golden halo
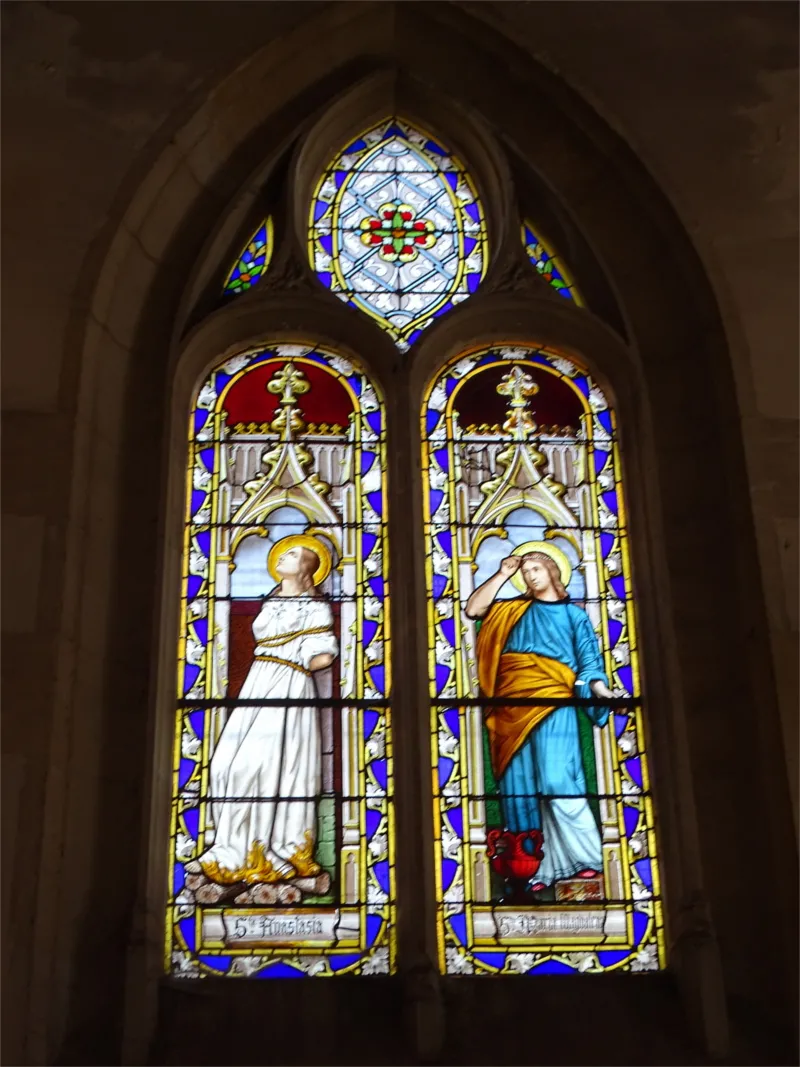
x,y
555,554
303,541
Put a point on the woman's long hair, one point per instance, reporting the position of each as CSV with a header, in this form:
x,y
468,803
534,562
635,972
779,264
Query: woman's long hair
x,y
311,563
552,570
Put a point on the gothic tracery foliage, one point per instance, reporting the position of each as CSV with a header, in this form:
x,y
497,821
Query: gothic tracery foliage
x,y
253,261
548,264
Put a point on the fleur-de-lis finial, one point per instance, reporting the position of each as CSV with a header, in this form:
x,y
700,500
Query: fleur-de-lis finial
x,y
518,386
289,383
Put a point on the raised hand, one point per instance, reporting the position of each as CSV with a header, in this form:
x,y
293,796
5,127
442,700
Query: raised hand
x,y
483,597
510,565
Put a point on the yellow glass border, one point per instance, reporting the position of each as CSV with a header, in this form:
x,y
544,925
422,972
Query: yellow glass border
x,y
563,270
174,940
654,930
270,248
424,319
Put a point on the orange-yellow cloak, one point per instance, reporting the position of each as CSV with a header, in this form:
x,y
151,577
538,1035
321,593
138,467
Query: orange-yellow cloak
x,y
519,676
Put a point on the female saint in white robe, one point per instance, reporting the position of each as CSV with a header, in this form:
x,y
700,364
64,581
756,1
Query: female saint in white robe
x,y
265,773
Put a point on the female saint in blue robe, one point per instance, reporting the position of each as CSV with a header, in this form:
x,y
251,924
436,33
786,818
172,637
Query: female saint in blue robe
x,y
541,646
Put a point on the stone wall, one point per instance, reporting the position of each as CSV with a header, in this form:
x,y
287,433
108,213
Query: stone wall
x,y
128,151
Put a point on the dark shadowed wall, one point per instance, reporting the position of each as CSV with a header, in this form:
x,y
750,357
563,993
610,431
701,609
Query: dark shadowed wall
x,y
102,109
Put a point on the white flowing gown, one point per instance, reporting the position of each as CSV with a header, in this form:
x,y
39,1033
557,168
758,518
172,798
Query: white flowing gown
x,y
265,772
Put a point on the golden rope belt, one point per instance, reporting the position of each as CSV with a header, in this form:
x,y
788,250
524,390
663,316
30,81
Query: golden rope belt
x,y
281,639
285,663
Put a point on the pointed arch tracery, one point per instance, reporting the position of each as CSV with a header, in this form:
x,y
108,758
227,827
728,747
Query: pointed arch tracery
x,y
253,261
548,263
645,274
396,228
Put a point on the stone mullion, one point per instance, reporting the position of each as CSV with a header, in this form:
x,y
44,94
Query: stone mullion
x,y
416,892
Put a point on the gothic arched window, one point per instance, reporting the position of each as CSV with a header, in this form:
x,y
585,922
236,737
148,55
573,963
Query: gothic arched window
x,y
282,854
281,820
546,855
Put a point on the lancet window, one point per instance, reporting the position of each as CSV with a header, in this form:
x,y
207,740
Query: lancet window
x,y
281,847
545,845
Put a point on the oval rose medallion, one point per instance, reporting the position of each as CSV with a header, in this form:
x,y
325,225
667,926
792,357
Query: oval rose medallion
x,y
397,230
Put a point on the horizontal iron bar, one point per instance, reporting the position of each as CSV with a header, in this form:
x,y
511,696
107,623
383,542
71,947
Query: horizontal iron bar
x,y
195,795
565,702
532,905
458,797
243,909
440,702
268,702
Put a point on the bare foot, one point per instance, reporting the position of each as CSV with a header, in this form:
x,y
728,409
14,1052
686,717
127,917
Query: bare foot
x,y
588,873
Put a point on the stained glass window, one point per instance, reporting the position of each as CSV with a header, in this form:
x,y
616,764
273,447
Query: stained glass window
x,y
281,849
396,229
548,264
544,822
253,261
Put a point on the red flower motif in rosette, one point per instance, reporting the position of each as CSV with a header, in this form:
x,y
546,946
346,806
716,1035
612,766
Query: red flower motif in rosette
x,y
398,232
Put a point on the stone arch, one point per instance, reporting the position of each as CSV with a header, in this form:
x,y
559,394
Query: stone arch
x,y
140,292
388,92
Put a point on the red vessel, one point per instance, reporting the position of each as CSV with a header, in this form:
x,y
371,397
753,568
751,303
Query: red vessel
x,y
515,863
